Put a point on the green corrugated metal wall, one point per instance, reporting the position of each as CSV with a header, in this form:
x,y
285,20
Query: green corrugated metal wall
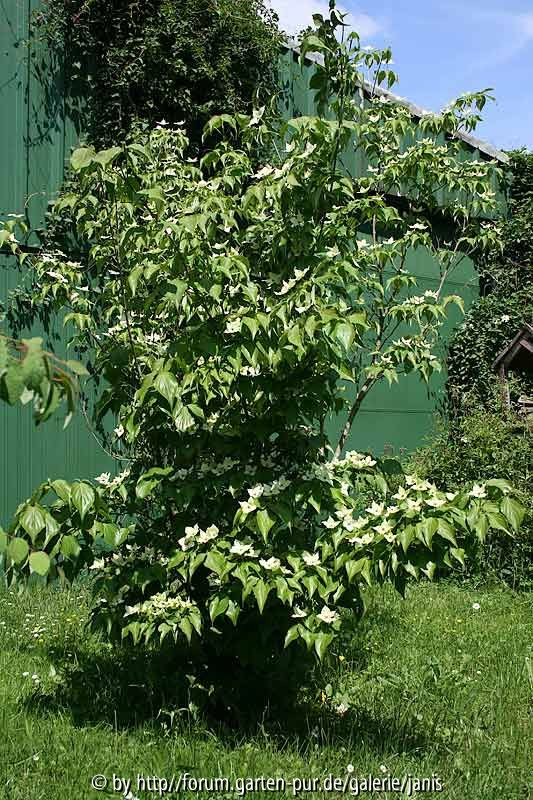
x,y
36,134
397,417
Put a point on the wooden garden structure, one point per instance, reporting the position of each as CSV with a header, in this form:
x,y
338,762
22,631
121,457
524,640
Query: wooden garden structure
x,y
517,355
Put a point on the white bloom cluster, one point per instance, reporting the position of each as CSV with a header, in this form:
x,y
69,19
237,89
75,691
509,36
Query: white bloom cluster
x,y
276,487
218,468
105,478
366,538
193,534
233,326
270,563
158,606
328,616
385,529
251,371
57,276
240,549
353,459
152,338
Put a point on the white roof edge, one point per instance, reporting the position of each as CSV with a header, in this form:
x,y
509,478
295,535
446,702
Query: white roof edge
x,y
416,111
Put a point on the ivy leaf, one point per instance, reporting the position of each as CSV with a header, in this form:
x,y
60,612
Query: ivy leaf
x,y
106,157
216,562
62,489
218,606
344,334
446,531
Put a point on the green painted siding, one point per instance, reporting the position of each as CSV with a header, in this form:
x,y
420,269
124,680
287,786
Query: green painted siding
x,y
401,416
36,134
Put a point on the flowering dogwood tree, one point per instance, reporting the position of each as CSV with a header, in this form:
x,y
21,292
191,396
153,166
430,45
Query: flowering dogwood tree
x,y
223,304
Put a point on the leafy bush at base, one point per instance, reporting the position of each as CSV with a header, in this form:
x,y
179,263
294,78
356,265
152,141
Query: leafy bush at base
x,y
482,443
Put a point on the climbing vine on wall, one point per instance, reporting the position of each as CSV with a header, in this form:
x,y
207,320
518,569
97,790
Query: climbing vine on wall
x,y
160,59
507,282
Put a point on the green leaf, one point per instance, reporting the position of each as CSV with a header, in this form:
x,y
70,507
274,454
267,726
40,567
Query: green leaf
x,y
292,634
216,562
76,367
322,642
406,537
184,420
218,606
344,334
428,528
252,325
261,591
81,158
145,487
18,550
459,554
12,384
353,568
513,511
497,521
62,489
166,384
70,547
446,531
185,625
83,498
39,562
264,522
3,540
32,520
106,157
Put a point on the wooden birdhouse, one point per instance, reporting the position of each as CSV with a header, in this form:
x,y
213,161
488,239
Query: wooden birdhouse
x,y
517,355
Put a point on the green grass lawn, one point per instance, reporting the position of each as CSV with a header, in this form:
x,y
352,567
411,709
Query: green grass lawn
x,y
432,687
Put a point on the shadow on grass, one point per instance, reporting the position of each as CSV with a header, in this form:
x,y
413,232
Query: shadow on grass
x,y
126,687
